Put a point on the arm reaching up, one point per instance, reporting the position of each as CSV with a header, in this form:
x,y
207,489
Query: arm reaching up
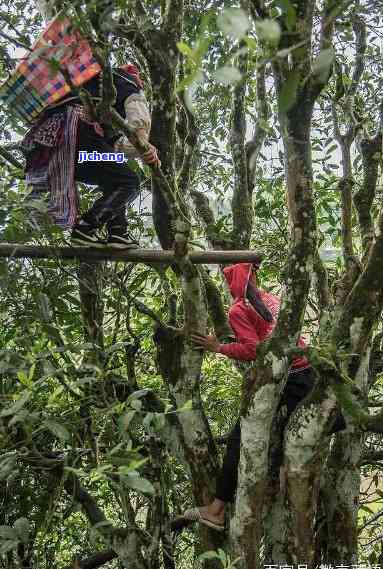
x,y
247,339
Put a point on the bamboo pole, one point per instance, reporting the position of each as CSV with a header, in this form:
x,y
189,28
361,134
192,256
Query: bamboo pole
x,y
15,250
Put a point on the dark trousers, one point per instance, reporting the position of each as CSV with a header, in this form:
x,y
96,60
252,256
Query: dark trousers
x,y
117,182
298,386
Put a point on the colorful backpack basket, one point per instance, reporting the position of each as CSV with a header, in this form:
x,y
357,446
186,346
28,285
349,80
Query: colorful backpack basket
x,y
34,86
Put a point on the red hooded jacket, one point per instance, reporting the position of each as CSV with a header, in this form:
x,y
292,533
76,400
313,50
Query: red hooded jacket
x,y
249,327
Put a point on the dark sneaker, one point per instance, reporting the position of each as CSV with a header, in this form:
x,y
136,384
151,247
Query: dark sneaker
x,y
119,240
87,236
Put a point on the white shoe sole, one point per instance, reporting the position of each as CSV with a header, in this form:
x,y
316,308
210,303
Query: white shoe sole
x,y
92,244
122,246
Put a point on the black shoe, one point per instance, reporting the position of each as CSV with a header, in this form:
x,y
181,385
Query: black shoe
x,y
86,235
120,240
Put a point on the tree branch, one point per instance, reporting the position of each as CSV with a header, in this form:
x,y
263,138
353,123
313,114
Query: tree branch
x,y
94,514
172,22
144,309
94,561
346,183
189,144
363,198
371,520
370,457
359,27
205,213
364,303
241,203
4,153
375,423
216,308
254,146
14,250
322,288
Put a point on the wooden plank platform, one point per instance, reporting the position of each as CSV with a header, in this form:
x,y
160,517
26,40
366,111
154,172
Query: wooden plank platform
x,y
15,250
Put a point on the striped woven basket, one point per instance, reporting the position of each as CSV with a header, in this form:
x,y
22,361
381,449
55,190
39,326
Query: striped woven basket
x,y
33,86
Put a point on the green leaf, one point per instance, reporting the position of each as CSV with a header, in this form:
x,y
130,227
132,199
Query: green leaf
x,y
187,406
6,546
13,409
322,64
289,12
367,509
190,90
52,332
7,465
136,404
57,429
138,394
6,532
23,378
269,31
158,422
133,399
31,373
126,419
251,43
208,555
99,473
227,75
288,94
39,205
147,421
45,307
125,467
23,416
141,484
76,471
233,22
73,299
22,528
54,395
185,49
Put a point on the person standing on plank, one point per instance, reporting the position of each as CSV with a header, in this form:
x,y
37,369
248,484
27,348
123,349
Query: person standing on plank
x,y
252,316
52,149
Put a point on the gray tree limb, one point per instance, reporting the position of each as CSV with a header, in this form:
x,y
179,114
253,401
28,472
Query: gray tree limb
x,y
166,257
94,561
241,203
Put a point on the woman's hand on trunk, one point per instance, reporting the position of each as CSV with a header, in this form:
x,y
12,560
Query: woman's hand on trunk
x,y
208,343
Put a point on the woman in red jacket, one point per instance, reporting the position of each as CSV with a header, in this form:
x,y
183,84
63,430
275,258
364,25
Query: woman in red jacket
x,y
252,316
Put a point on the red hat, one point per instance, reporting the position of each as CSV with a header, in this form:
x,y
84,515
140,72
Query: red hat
x,y
133,70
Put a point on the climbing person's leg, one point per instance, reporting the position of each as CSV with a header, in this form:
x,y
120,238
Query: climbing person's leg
x,y
299,385
109,210
119,186
297,388
213,515
227,479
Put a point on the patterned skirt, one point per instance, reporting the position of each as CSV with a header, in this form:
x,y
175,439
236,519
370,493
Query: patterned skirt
x,y
50,147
